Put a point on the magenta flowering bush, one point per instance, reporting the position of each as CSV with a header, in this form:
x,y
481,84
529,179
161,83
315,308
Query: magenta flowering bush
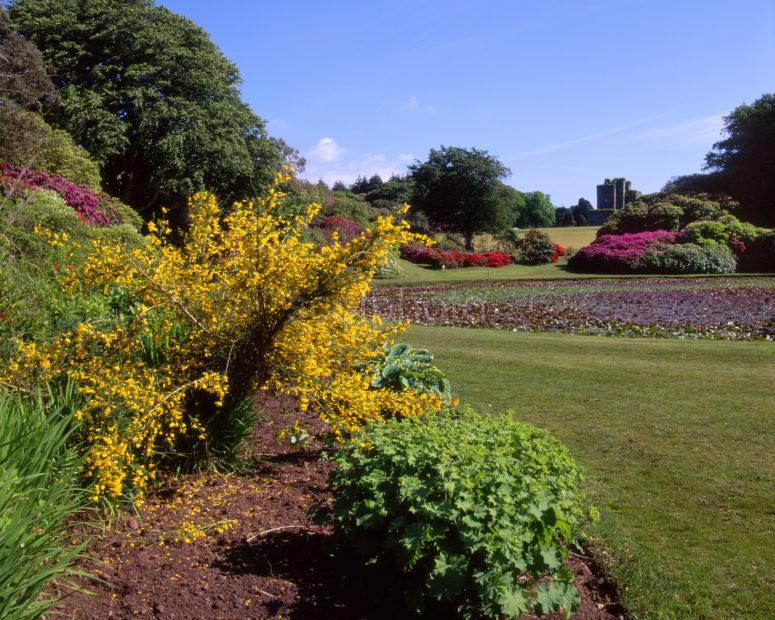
x,y
81,198
619,253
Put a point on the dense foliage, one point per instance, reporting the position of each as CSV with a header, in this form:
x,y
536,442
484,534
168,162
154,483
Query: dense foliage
x,y
474,510
666,212
461,188
742,164
242,303
687,258
745,159
535,211
151,98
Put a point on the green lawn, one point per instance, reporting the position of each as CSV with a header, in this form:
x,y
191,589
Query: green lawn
x,y
677,439
570,236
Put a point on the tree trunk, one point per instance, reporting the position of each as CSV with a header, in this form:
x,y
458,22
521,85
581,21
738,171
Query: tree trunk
x,y
469,235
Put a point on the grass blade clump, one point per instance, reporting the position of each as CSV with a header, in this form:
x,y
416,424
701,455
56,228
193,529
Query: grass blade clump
x,y
38,477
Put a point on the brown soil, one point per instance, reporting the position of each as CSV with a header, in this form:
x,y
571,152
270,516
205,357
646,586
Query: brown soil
x,y
211,545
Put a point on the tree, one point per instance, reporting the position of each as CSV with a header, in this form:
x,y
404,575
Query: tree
x,y
151,98
396,189
563,216
538,212
375,181
360,185
289,155
339,186
462,189
581,211
745,158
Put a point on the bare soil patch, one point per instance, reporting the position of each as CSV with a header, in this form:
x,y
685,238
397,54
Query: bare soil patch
x,y
212,546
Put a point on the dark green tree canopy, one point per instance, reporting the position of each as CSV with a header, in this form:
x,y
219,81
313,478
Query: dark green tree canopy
x,y
461,188
745,159
396,189
151,98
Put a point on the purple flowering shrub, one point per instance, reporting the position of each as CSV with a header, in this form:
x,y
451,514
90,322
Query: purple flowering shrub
x,y
89,206
619,253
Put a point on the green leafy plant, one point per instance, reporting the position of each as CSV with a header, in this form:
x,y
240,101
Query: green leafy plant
x,y
405,368
38,491
474,510
688,258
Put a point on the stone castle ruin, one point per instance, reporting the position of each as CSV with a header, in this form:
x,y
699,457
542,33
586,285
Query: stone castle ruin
x,y
612,194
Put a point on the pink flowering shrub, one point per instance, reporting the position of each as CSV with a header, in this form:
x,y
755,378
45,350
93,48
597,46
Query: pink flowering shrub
x,y
618,253
86,204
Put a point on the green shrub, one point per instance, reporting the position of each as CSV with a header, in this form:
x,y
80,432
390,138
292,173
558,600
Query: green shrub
x,y
345,204
474,510
32,304
52,150
760,256
665,211
536,247
38,491
688,258
721,232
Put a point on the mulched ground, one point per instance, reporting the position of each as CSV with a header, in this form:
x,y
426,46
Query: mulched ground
x,y
210,546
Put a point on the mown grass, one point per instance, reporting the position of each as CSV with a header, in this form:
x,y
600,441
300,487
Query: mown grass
x,y
677,440
575,237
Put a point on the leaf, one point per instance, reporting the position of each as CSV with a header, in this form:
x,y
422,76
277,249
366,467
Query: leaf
x,y
513,603
555,596
448,576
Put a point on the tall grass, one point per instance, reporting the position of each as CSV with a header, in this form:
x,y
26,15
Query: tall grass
x,y
39,477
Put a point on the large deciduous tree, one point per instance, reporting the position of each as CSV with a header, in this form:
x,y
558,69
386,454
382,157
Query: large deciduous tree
x,y
742,164
538,211
151,98
462,189
745,158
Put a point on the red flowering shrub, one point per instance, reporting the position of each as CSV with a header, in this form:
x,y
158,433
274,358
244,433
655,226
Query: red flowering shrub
x,y
86,204
558,251
346,229
451,259
618,253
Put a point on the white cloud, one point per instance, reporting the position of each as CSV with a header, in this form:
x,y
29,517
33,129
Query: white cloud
x,y
699,132
326,151
326,160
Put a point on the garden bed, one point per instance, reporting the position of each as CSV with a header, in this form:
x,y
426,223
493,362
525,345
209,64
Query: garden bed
x,y
723,308
269,561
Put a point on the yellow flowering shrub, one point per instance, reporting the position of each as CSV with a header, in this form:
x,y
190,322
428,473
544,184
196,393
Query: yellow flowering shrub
x,y
242,303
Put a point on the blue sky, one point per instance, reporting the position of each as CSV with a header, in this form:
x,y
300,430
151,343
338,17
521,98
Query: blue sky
x,y
564,92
